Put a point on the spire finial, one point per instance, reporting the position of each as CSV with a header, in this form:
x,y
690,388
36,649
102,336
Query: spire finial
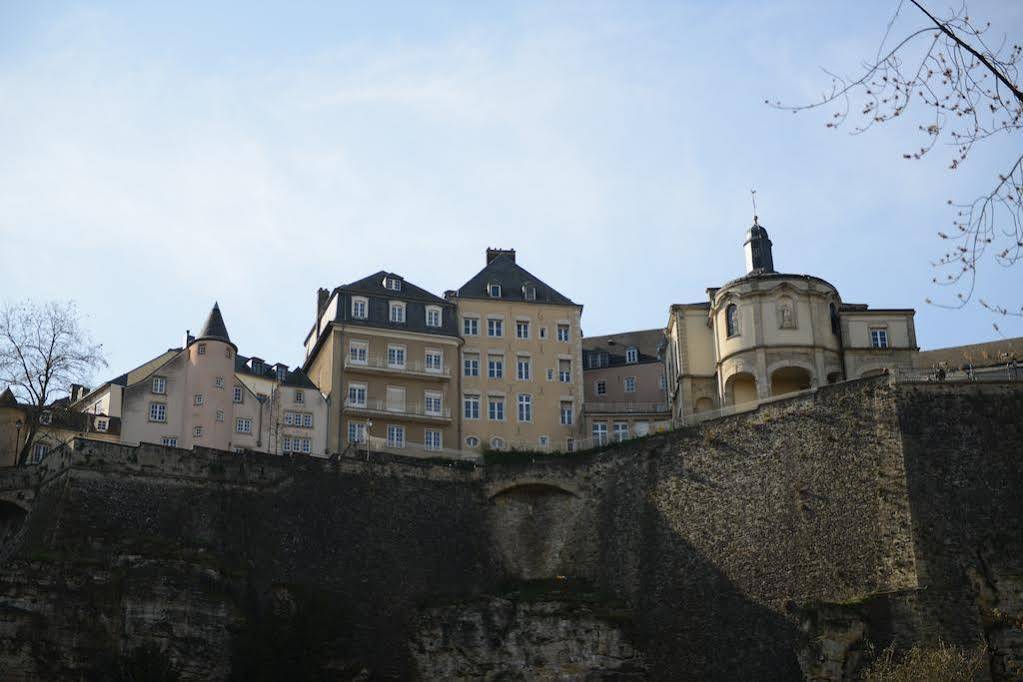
x,y
753,195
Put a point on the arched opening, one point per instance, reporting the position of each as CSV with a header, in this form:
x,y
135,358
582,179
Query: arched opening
x,y
741,388
834,377
789,380
732,319
704,405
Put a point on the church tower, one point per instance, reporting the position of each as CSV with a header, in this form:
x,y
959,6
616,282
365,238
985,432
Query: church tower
x,y
758,250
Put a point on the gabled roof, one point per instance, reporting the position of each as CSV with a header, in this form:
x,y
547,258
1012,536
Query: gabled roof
x,y
7,398
294,378
374,285
647,342
214,328
512,277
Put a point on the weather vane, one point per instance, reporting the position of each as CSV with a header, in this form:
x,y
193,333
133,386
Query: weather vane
x,y
753,195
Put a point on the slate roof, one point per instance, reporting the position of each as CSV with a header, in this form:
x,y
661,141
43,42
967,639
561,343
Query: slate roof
x,y
7,398
215,327
295,378
374,286
512,277
647,342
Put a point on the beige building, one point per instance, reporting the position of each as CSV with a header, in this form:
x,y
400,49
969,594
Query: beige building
x,y
769,333
206,394
521,364
625,388
385,351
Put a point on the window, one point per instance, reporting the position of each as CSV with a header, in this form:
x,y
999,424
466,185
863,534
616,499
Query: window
x,y
392,283
160,385
631,355
566,412
299,419
529,292
878,337
395,436
471,365
836,325
732,320
495,408
563,332
300,397
102,424
307,420
630,384
544,442
197,432
46,418
395,399
472,442
495,366
470,326
257,366
494,290
286,444
565,371
282,373
600,433
396,356
39,451
201,349
495,327
523,369
356,432
357,395
522,329
358,352
243,425
227,352
663,382
601,387
238,395
360,307
219,382
496,443
397,312
570,444
525,407
433,403
434,361
220,415
307,445
543,333
197,399
432,439
550,374
471,406
433,316
157,412
169,441
621,431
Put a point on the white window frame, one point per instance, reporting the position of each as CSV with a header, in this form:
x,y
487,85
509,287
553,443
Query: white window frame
x,y
470,326
495,324
620,431
358,352
243,425
433,311
472,442
471,400
395,436
600,387
219,382
520,363
543,333
102,425
161,412
169,441
238,395
493,290
197,432
599,433
220,416
525,407
497,443
39,452
438,355
360,308
201,349
632,355
396,306
629,384
433,439
359,429
567,412
564,333
392,283
198,399
299,397
879,337
522,329
544,442
399,349
159,385
495,366
429,397
357,386
495,401
565,375
471,365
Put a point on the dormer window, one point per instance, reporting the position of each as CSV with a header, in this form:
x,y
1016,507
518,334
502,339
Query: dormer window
x,y
282,373
45,418
397,312
529,292
433,316
257,366
101,424
632,355
392,283
494,290
360,306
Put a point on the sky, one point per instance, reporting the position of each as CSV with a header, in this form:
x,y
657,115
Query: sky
x,y
158,157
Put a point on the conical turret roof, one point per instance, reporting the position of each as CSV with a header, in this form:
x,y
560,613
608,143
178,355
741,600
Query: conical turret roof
x,y
215,327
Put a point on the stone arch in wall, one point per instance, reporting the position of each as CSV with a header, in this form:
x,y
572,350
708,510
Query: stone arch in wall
x,y
740,387
703,404
537,530
834,376
789,379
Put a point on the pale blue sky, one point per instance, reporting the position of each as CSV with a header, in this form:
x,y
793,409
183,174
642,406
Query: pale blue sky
x,y
155,159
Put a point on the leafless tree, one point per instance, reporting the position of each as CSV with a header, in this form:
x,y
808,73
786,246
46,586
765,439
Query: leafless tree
x,y
966,91
43,350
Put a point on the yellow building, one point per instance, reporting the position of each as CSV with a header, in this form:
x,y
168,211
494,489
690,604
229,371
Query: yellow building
x,y
58,425
385,352
521,363
769,333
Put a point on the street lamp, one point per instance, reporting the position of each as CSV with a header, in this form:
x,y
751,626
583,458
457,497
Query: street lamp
x,y
17,439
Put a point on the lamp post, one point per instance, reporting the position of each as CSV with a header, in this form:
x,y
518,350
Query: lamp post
x,y
17,441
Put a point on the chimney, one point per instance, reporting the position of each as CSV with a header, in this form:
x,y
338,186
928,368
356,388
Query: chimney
x,y
322,296
188,338
494,253
450,295
78,392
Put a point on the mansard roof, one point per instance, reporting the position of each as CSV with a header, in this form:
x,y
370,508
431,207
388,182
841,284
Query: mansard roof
x,y
374,286
647,342
503,270
294,378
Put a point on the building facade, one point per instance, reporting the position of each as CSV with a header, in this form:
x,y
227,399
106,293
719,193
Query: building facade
x,y
206,394
625,388
385,351
521,362
769,333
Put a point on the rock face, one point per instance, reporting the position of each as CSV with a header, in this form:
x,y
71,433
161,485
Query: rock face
x,y
490,638
777,544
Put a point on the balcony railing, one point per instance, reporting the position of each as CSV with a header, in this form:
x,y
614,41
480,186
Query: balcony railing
x,y
625,408
406,410
410,449
409,367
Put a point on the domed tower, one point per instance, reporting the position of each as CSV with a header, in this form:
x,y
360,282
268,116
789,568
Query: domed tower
x,y
211,357
758,250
